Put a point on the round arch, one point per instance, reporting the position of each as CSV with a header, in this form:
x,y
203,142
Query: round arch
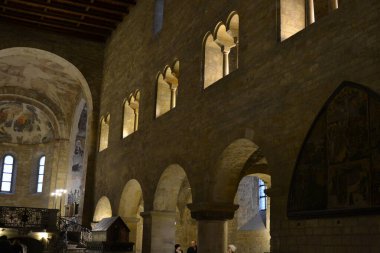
x,y
232,166
103,209
130,199
67,66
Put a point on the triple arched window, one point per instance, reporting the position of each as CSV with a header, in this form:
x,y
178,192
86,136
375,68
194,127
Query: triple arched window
x,y
7,174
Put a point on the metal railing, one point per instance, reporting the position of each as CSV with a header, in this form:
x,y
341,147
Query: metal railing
x,y
26,219
68,225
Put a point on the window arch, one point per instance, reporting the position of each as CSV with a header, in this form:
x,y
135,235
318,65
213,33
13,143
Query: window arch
x,y
104,131
297,14
41,173
220,50
167,89
131,113
7,174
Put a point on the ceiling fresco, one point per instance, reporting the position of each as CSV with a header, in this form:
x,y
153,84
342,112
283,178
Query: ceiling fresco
x,y
22,123
43,76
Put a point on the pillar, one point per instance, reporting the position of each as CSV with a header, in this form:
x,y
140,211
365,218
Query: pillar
x,y
333,4
158,231
132,225
173,100
212,225
311,12
226,63
136,121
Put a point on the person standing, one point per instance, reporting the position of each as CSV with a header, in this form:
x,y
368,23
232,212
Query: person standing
x,y
231,248
193,247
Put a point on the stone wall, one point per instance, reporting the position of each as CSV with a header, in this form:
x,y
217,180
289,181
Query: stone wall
x,y
272,99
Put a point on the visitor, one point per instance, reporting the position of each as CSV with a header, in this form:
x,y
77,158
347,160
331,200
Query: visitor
x,y
193,247
5,246
231,248
177,249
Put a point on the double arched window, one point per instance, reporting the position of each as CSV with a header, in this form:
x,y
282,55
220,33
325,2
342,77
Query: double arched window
x,y
7,174
167,89
220,50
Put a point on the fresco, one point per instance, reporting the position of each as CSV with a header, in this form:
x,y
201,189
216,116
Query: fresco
x,y
338,170
75,186
80,142
43,76
24,124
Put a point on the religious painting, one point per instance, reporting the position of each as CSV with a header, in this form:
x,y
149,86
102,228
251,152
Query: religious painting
x,y
22,123
338,168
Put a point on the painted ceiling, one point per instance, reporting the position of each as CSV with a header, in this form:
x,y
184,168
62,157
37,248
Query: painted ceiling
x,y
43,76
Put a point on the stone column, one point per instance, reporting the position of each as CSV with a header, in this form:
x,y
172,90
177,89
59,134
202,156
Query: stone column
x,y
226,63
311,11
136,122
158,231
173,100
333,4
132,225
212,225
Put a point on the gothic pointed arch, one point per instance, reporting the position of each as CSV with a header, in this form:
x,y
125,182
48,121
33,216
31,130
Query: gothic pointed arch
x,y
337,171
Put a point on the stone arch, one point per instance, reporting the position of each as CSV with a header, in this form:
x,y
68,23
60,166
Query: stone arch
x,y
130,206
165,197
68,67
103,209
229,169
57,87
165,205
250,227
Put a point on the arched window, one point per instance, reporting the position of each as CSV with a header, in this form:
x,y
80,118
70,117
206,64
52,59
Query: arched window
x,y
131,114
158,16
7,171
104,130
41,173
262,196
220,50
167,89
294,13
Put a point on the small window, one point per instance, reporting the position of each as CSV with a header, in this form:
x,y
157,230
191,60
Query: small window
x,y
262,196
158,16
41,172
7,174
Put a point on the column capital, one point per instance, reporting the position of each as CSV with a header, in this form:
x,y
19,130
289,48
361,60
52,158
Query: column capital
x,y
212,211
158,214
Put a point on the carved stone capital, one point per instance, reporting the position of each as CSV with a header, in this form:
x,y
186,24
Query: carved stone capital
x,y
212,211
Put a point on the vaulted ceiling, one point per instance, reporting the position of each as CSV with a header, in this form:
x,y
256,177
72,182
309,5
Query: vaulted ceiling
x,y
91,19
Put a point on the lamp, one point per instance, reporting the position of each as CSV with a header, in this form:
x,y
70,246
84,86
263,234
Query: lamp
x,y
58,193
